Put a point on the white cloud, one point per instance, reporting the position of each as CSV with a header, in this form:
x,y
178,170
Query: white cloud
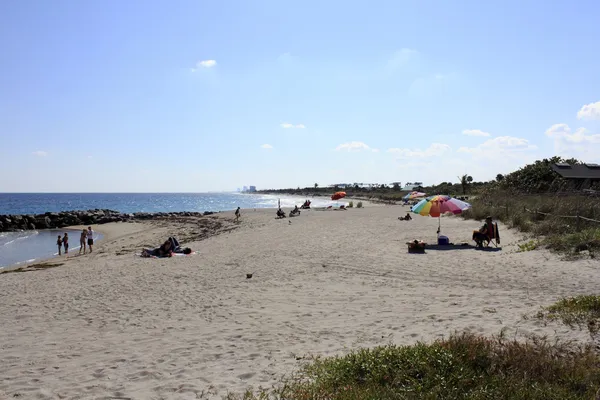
x,y
435,149
40,153
475,132
589,111
579,144
502,146
204,64
287,125
267,146
355,146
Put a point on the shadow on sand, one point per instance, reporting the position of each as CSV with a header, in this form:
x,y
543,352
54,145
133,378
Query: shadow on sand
x,y
461,247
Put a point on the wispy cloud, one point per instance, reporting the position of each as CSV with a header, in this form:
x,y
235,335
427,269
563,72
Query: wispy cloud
x,y
204,64
499,147
580,143
475,132
355,146
267,146
40,153
435,149
287,125
589,111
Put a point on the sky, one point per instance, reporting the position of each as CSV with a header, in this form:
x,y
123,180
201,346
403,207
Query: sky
x,y
195,96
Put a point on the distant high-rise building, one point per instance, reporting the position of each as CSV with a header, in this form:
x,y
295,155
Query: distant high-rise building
x,y
252,189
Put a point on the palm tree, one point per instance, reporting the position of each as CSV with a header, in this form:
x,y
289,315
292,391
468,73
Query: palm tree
x,y
465,180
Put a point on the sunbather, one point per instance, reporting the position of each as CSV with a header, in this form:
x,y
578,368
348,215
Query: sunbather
x,y
280,213
170,246
407,217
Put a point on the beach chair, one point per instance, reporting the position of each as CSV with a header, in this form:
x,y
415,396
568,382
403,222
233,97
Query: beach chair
x,y
493,236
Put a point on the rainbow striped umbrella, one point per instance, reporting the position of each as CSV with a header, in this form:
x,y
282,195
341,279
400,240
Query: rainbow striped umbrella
x,y
435,206
414,195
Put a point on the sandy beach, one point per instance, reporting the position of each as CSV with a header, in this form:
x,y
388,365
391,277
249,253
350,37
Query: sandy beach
x,y
114,325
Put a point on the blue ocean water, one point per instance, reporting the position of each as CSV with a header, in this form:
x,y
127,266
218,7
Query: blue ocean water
x,y
27,246
38,203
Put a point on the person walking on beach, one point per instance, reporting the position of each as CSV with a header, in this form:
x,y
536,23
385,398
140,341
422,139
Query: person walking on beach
x,y
90,238
66,242
59,243
82,239
237,214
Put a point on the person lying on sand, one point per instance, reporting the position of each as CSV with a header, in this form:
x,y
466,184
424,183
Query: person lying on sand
x,y
407,217
170,246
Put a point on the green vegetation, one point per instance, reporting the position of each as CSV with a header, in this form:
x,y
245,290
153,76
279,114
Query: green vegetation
x,y
528,246
359,204
579,310
462,367
350,204
536,200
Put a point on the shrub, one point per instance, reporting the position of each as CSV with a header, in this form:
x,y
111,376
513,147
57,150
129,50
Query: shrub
x,y
578,310
464,366
359,204
350,204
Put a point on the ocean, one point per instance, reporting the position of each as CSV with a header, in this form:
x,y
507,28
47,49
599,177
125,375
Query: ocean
x,y
28,246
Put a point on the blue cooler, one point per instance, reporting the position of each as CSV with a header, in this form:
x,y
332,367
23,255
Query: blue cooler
x,y
443,240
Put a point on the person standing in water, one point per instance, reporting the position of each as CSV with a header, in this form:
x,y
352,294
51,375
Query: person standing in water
x,y
59,244
90,238
82,239
66,242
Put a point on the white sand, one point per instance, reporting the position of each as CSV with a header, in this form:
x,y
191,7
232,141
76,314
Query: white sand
x,y
110,325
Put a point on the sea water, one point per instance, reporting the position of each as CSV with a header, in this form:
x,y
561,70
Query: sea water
x,y
27,246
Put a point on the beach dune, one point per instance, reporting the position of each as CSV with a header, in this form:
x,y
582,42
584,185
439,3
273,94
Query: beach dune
x,y
114,325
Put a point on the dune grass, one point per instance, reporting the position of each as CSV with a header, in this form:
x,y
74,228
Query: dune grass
x,y
575,311
570,236
465,366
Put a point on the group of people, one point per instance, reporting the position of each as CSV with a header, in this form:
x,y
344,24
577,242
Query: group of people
x,y
86,237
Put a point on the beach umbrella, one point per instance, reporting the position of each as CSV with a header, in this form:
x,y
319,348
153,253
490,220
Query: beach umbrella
x,y
414,195
435,206
338,195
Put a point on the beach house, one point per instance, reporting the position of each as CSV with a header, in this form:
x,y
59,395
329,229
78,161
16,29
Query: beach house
x,y
579,176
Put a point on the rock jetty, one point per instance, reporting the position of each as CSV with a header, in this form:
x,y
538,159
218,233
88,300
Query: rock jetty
x,y
51,220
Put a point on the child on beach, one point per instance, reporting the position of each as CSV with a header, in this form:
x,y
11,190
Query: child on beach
x,y
66,242
59,243
82,239
90,238
237,214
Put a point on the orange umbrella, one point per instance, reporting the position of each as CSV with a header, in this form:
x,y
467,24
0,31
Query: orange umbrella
x,y
338,195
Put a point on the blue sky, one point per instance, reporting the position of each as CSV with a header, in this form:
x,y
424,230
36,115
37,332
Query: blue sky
x,y
128,96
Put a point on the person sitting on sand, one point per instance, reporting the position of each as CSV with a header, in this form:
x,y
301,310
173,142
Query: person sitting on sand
x,y
296,210
280,213
407,217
